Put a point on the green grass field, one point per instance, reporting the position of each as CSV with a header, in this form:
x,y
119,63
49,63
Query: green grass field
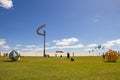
x,y
83,68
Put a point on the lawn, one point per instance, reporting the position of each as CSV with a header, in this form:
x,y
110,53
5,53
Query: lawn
x,y
38,68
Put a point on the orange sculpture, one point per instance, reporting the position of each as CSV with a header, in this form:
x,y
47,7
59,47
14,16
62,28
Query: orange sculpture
x,y
111,55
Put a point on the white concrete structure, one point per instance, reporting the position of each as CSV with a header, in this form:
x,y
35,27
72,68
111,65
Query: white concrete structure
x,y
54,54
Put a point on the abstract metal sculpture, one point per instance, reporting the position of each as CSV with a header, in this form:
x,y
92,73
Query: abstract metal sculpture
x,y
14,55
42,34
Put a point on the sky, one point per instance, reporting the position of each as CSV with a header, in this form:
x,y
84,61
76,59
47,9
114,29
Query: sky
x,y
71,25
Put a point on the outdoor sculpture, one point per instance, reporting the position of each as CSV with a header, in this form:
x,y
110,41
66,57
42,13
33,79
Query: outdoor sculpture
x,y
14,55
111,55
42,34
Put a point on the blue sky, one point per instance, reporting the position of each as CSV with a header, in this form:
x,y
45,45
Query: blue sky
x,y
71,25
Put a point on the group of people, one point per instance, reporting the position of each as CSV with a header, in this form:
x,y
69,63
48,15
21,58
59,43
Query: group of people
x,y
3,54
68,56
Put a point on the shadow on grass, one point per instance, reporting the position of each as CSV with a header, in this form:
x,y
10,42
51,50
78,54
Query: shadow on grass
x,y
110,61
14,61
9,61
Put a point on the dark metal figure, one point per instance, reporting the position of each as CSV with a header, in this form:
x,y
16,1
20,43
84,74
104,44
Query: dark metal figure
x,y
43,34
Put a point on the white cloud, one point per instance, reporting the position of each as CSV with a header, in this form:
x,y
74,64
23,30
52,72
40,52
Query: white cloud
x,y
73,46
31,46
64,42
117,41
67,44
112,43
92,45
38,49
88,49
3,45
47,43
54,47
70,43
108,45
27,49
18,45
2,41
16,48
6,3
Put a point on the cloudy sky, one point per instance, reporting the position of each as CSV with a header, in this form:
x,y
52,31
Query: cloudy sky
x,y
71,25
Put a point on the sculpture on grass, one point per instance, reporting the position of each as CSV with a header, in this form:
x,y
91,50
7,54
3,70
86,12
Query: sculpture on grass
x,y
111,56
14,55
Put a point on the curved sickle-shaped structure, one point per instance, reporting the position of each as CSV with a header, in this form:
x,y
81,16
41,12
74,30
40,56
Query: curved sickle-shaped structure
x,y
43,34
37,31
